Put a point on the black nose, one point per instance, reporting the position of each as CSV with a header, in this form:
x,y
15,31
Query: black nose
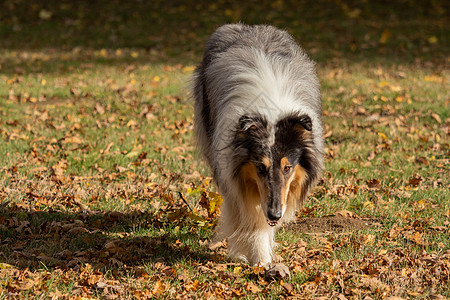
x,y
274,215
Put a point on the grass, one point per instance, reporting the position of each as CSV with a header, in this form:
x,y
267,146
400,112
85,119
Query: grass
x,y
97,155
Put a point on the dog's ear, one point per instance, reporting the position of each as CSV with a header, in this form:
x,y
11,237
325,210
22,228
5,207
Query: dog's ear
x,y
247,123
304,121
298,122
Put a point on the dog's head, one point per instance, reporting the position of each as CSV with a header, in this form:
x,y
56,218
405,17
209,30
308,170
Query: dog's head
x,y
274,163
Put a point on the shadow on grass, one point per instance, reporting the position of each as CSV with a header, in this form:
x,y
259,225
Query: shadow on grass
x,y
388,31
37,240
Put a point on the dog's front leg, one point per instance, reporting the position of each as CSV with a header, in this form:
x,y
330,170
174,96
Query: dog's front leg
x,y
261,246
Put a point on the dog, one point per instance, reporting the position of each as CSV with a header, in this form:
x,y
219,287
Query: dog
x,y
258,123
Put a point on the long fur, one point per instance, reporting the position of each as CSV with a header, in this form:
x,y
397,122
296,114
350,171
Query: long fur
x,y
252,89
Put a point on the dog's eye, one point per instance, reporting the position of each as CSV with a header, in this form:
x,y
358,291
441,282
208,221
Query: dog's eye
x,y
262,169
287,169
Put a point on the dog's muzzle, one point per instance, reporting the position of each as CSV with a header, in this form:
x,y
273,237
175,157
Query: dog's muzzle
x,y
272,223
273,216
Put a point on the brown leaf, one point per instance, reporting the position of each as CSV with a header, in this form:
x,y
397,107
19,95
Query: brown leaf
x,y
422,160
436,297
132,123
159,288
114,247
436,117
415,181
438,228
192,286
99,108
288,288
215,245
347,214
120,169
373,284
72,140
138,272
77,230
417,238
107,149
65,254
373,183
250,286
277,271
7,270
39,169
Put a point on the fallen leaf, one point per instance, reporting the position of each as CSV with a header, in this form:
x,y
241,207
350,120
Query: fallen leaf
x,y
417,237
288,288
373,183
347,214
277,271
215,245
99,108
250,286
385,36
159,288
415,181
436,117
132,123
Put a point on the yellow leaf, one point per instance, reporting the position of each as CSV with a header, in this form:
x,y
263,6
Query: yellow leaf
x,y
432,39
383,136
368,239
45,14
432,78
132,123
157,79
385,36
383,84
132,154
134,54
215,202
368,205
382,252
188,69
43,82
5,266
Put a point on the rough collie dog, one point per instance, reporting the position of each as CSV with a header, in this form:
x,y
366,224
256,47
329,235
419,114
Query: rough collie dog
x,y
258,123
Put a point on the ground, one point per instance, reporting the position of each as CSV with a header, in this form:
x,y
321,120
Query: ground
x,y
103,195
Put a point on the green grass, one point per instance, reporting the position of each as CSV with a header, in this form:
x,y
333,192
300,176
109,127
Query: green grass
x,y
96,137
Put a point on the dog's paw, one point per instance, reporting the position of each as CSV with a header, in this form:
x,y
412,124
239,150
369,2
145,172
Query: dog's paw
x,y
277,271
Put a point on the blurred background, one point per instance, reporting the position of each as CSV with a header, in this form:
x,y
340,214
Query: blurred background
x,y
411,31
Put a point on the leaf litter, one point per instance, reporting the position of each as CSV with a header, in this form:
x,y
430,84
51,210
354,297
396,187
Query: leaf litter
x,y
84,215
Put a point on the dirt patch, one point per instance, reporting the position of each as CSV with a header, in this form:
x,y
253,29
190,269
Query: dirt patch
x,y
330,224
